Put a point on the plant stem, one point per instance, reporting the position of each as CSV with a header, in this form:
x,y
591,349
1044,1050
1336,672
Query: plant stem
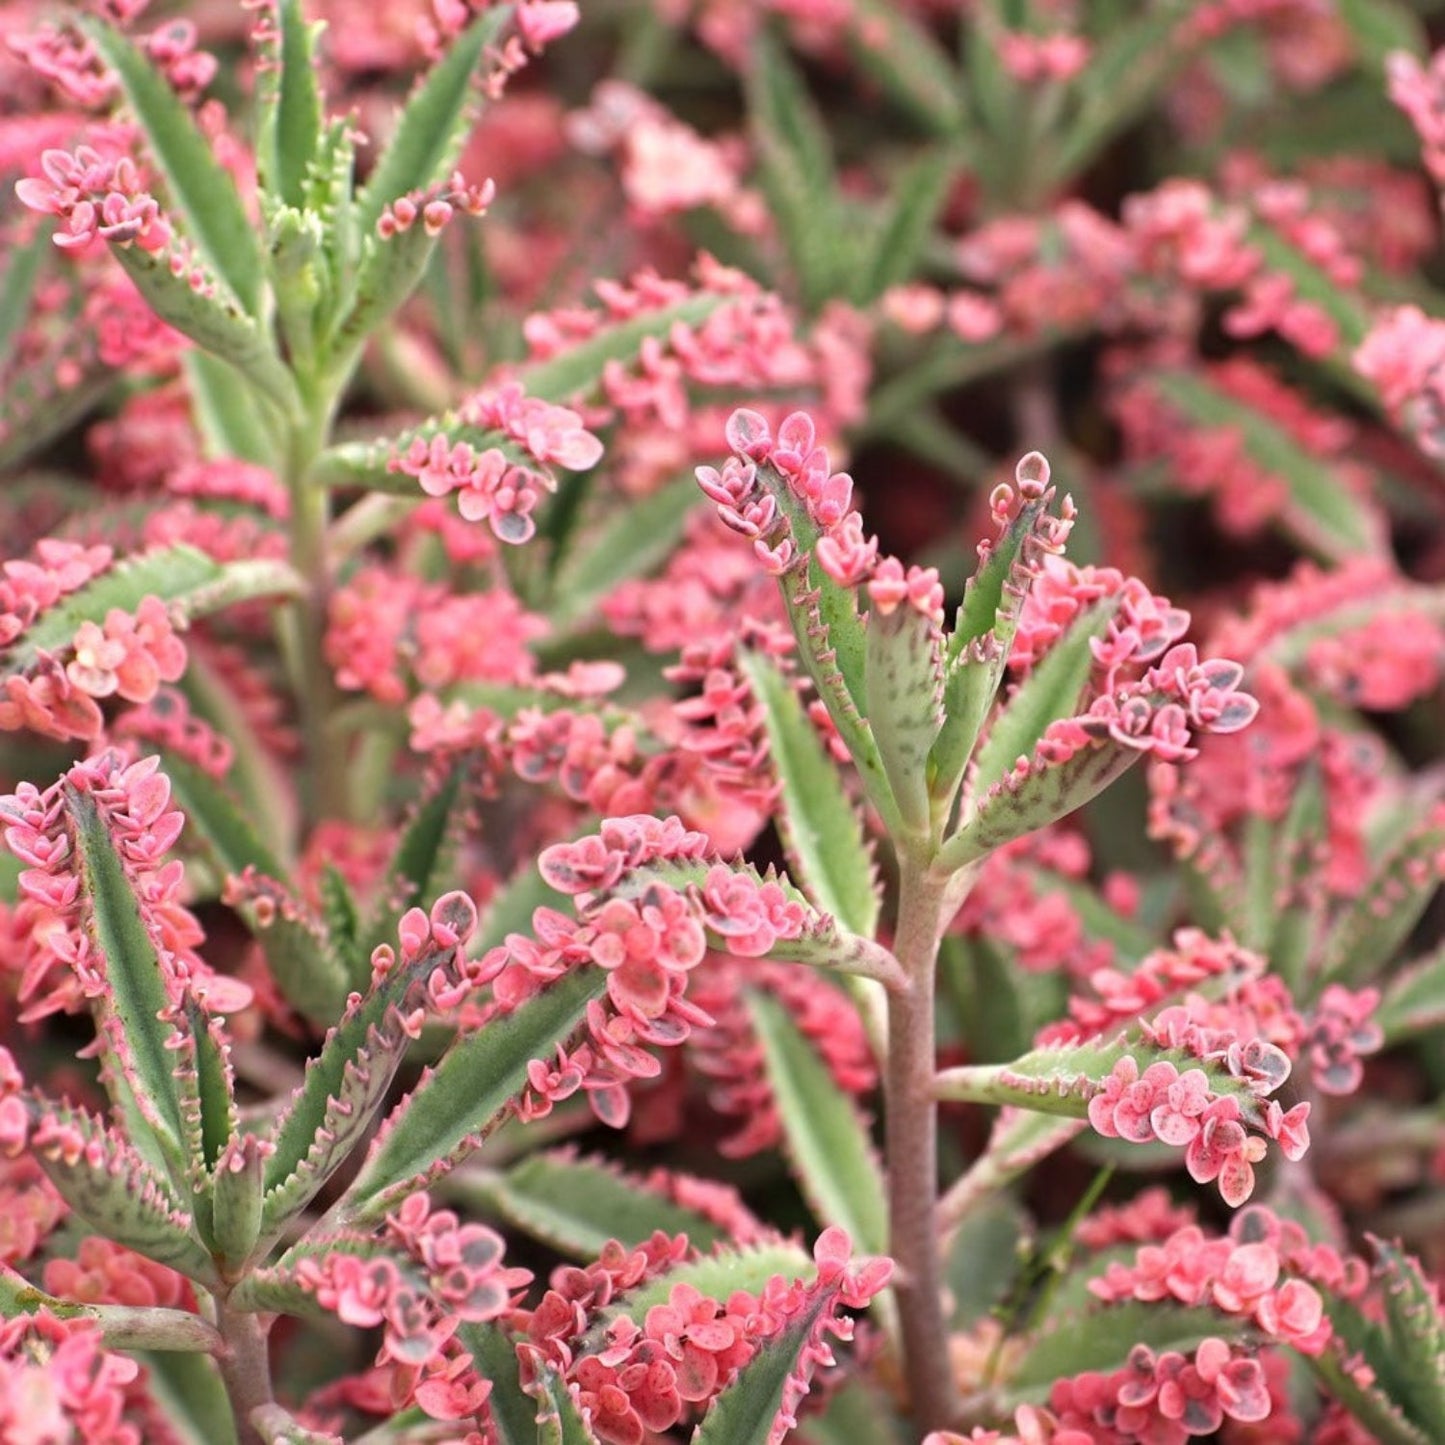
x,y
911,1114
245,1368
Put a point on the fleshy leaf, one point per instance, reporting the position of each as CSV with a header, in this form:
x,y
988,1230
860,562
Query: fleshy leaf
x,y
289,106
420,855
1100,1339
1417,1337
633,543
228,417
559,1421
344,1085
826,1138
978,649
903,56
200,187
305,967
136,1004
1382,913
1049,692
1414,1000
17,288
456,1104
903,683
433,126
907,225
1321,513
1378,1404
820,826
747,1410
578,370
186,579
1020,1139
513,1416
110,1186
577,1205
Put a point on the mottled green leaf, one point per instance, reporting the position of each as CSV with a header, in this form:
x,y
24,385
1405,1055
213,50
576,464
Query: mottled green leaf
x,y
820,825
824,1134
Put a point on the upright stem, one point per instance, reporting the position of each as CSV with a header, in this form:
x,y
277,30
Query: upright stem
x,y
911,1123
245,1368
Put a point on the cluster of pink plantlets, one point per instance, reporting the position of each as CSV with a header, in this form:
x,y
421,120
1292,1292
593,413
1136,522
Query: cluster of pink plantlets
x,y
693,716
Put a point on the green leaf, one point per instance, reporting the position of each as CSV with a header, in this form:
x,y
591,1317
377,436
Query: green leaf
x,y
17,288
820,826
982,1260
136,996
227,416
1380,27
1380,916
1322,513
745,1412
512,1415
290,111
345,1084
1049,692
200,186
559,1422
891,46
179,575
857,1413
433,126
713,1275
899,243
577,1205
1417,1337
420,855
1414,1000
825,1136
191,1396
795,168
578,370
1378,1405
1101,1340
903,684
977,651
633,543
119,1194
456,1104
306,968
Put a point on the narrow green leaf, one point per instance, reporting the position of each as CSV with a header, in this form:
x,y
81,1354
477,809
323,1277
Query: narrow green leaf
x,y
1378,1405
745,1412
344,1085
637,540
891,46
982,1260
1417,1334
559,1422
826,1138
200,186
462,1099
136,994
226,415
17,287
293,130
1050,691
432,128
901,240
1414,1000
1380,27
577,1205
512,1414
858,1412
578,370
820,825
190,1393
413,872
903,684
1101,1340
1380,916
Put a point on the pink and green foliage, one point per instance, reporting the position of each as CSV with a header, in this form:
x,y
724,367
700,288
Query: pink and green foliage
x,y
699,701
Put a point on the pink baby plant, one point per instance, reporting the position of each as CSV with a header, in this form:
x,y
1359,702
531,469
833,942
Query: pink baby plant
x,y
576,864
